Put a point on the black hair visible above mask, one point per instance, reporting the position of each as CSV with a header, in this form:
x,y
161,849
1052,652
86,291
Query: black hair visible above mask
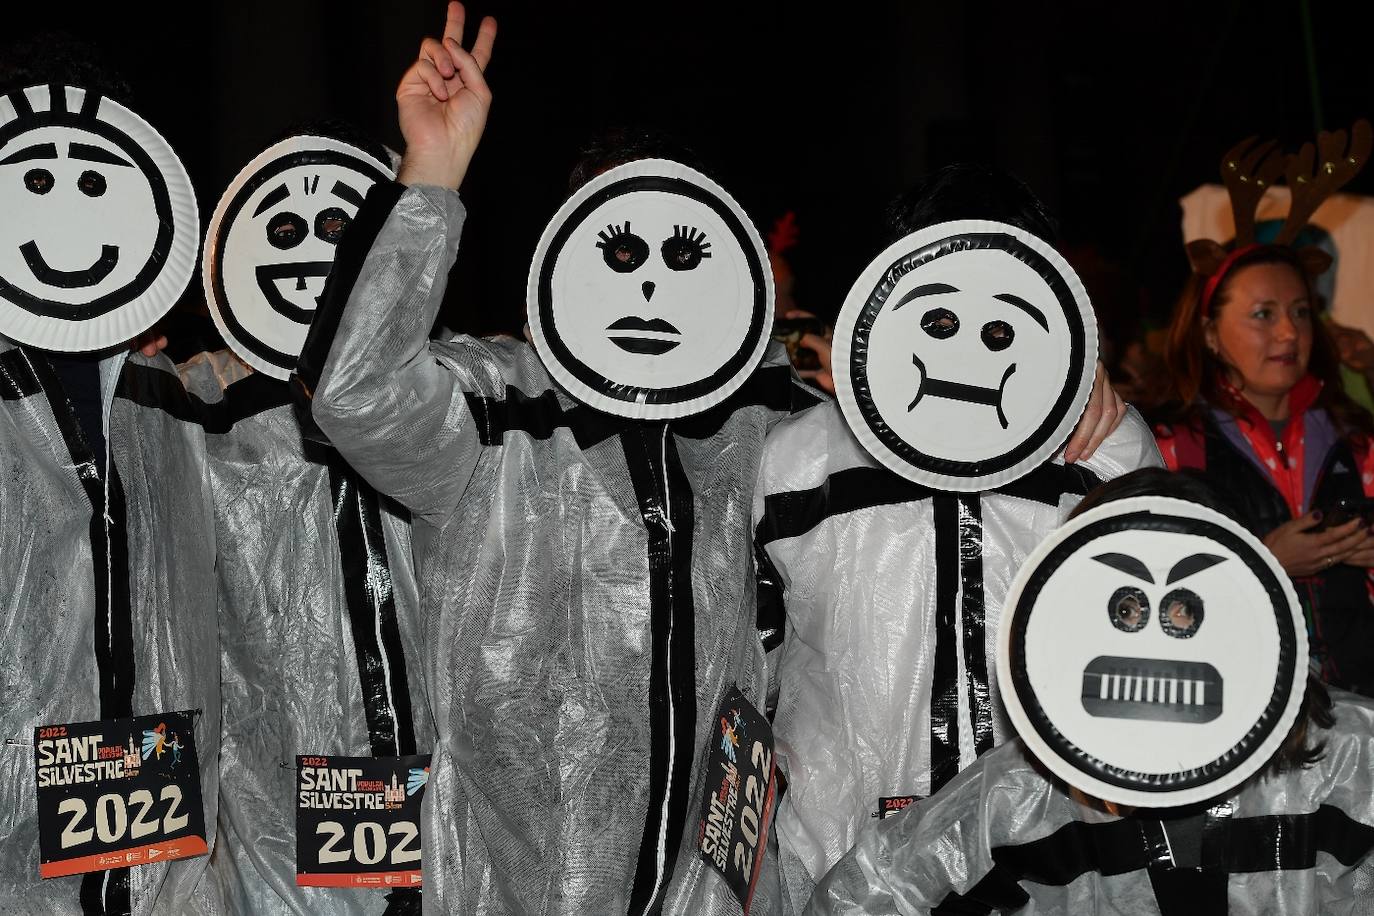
x,y
969,191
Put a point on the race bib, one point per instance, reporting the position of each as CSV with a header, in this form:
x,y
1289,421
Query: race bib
x,y
118,793
739,802
358,821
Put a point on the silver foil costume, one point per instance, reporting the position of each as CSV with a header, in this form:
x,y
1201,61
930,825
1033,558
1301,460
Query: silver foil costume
x,y
884,658
1001,837
586,583
108,603
318,617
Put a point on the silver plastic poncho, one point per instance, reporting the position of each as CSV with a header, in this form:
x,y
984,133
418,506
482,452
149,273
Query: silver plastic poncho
x,y
1002,837
586,584
892,592
84,639
318,637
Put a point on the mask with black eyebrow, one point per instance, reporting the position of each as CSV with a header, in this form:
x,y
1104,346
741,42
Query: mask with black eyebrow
x,y
650,295
272,241
964,354
100,226
1153,645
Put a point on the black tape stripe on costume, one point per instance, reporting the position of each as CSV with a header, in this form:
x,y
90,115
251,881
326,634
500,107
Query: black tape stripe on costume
x,y
1292,841
248,397
101,894
771,615
795,512
974,613
351,254
1276,842
1186,891
372,614
158,389
17,380
771,387
1111,848
665,503
944,688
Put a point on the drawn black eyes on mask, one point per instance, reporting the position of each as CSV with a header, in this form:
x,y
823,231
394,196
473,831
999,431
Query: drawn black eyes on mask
x,y
287,230
1129,609
1180,614
330,224
942,324
685,249
625,252
40,181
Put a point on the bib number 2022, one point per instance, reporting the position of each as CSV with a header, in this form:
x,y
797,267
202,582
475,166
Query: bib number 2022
x,y
755,792
115,816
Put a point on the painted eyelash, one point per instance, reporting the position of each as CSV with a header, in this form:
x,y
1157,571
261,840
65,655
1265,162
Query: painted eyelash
x,y
611,233
693,235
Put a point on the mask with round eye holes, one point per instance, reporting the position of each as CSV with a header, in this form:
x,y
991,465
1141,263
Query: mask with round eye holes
x,y
1152,653
98,221
964,355
650,295
272,241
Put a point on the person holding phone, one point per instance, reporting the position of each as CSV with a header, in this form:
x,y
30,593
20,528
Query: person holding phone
x,y
1258,405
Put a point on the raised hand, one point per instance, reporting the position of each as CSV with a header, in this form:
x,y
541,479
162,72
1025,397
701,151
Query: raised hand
x,y
442,103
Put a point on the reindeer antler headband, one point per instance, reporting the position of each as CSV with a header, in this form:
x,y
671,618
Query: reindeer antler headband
x,y
1248,170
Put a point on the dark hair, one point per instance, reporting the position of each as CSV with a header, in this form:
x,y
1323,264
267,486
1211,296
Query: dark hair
x,y
341,130
1197,377
1294,753
969,190
60,58
1154,482
620,145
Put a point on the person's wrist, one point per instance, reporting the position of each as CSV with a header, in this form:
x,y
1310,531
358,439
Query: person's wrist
x,y
440,168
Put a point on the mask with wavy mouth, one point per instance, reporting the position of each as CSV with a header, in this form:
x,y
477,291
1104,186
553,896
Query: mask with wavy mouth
x,y
1152,653
964,355
650,295
272,240
100,228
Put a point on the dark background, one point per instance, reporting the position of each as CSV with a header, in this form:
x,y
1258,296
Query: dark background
x,y
1109,114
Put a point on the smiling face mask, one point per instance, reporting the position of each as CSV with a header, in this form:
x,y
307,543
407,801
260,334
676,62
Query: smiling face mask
x,y
272,242
650,295
964,355
1152,653
99,230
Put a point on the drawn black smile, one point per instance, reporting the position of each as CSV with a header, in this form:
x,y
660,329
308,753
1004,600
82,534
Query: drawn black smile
x,y
269,274
70,279
958,391
648,346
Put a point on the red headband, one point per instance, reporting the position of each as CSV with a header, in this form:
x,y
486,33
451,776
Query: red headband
x,y
1210,288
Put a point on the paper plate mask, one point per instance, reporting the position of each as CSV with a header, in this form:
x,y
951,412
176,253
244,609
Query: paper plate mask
x,y
650,295
964,355
1153,653
272,241
98,221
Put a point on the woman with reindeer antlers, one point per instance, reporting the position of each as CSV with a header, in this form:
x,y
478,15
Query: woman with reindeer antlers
x,y
1259,404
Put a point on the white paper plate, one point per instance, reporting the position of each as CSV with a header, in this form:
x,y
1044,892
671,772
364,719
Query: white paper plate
x,y
964,355
100,227
650,295
1117,699
272,241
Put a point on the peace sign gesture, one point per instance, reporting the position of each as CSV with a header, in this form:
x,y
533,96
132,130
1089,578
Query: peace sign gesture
x,y
442,103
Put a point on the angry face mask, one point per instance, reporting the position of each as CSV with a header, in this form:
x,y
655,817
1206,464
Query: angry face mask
x,y
650,295
98,221
1152,653
272,241
964,355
